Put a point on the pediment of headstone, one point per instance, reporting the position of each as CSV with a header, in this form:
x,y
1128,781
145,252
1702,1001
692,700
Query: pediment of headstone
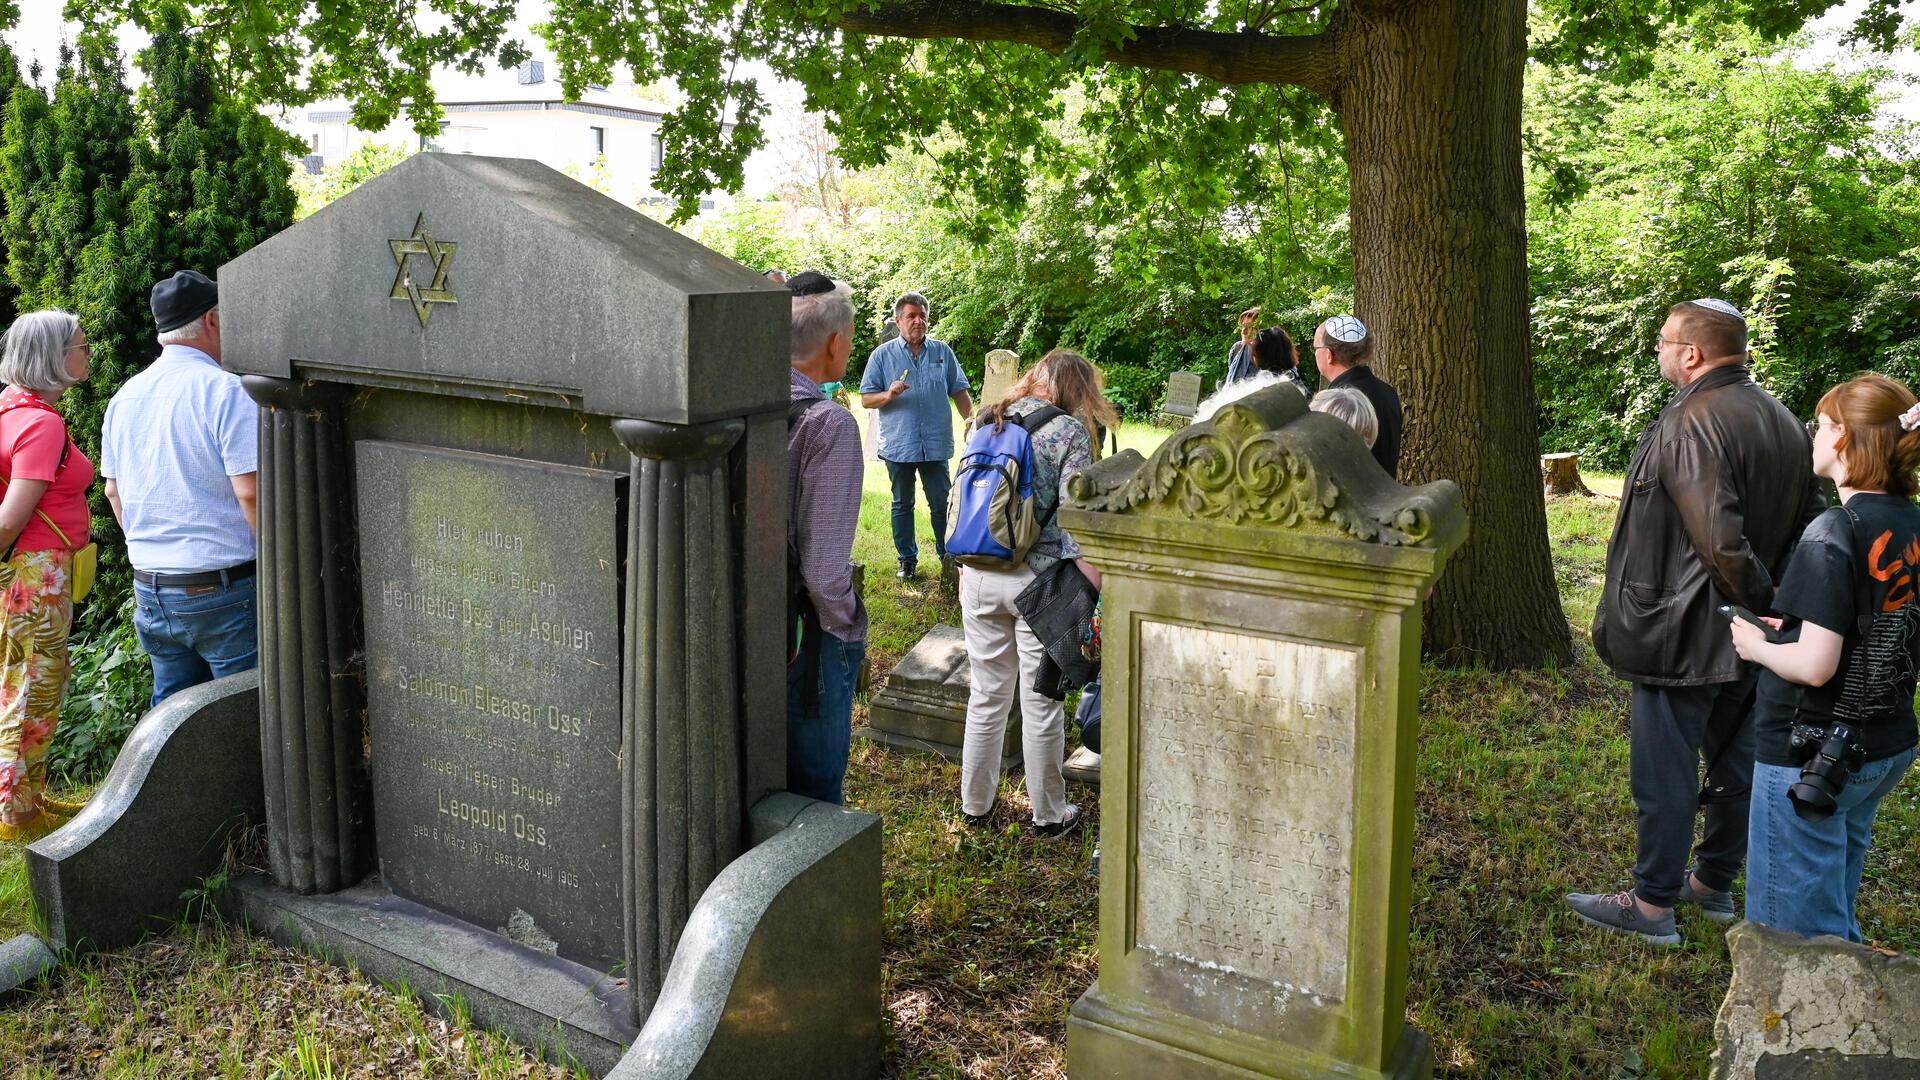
x,y
501,278
1267,460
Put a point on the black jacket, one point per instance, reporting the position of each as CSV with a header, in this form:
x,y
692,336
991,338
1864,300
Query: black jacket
x,y
1386,408
1720,486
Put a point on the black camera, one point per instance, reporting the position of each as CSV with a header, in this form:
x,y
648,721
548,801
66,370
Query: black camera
x,y
1831,754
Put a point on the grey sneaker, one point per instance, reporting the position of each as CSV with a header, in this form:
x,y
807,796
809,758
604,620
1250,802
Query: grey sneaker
x,y
1066,826
1715,906
1618,912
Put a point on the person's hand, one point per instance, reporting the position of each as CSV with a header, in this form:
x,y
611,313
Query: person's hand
x,y
1248,319
1747,638
899,387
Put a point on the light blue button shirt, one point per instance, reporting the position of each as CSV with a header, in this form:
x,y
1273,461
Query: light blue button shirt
x,y
174,433
916,426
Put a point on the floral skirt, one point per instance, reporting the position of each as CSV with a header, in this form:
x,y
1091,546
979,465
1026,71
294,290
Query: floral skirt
x,y
36,603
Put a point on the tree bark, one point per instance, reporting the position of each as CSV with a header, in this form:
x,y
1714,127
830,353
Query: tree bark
x,y
1430,100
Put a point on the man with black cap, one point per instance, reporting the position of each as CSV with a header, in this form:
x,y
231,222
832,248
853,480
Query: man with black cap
x,y
180,453
824,471
1341,349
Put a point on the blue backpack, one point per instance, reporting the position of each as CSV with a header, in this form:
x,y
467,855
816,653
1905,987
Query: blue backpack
x,y
990,507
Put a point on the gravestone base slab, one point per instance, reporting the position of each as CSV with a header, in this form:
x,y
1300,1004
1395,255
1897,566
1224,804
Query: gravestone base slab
x,y
923,708
566,1010
1118,1042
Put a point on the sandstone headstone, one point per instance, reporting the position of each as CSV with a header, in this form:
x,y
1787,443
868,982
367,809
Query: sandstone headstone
x,y
1816,1009
1262,590
1183,398
1002,368
923,707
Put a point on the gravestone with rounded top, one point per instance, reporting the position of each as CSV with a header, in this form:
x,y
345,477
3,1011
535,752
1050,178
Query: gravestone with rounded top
x,y
1002,368
1261,638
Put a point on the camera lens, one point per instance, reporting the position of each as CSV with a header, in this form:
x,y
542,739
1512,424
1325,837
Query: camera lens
x,y
1813,797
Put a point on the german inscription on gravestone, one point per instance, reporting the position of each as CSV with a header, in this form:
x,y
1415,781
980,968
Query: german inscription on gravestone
x,y
1183,393
1246,822
493,641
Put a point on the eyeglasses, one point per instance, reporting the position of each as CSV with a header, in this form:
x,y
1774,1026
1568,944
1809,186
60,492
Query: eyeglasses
x,y
84,346
1659,341
1813,428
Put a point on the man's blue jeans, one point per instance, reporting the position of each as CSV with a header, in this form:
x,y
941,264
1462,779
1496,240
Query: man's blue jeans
x,y
196,633
819,738
1802,875
935,478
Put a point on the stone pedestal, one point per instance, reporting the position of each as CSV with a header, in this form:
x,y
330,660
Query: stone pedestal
x,y
923,707
1263,581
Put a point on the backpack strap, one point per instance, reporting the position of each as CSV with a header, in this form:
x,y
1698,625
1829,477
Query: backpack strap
x,y
1033,422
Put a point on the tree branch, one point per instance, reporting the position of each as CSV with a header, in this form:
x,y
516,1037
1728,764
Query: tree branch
x,y
1306,61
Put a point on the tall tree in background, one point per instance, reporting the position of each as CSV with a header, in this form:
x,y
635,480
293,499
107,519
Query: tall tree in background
x,y
1426,92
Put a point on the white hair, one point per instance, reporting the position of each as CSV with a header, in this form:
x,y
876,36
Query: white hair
x,y
1346,403
35,355
1233,392
189,332
818,317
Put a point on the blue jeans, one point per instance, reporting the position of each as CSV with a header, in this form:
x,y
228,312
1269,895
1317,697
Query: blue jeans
x,y
819,738
1802,875
196,633
934,477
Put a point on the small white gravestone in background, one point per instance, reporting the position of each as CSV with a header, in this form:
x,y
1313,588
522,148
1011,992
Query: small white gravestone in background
x,y
1003,367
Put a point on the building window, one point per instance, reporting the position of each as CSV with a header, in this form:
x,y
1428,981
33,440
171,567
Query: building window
x,y
598,137
659,151
532,72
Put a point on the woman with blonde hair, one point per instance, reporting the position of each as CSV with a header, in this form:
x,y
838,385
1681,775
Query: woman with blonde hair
x,y
1001,648
43,519
1833,717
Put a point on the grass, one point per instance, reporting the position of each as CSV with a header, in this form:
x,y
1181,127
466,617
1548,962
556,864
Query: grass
x,y
989,934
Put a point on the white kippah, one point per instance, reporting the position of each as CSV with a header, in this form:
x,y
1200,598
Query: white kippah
x,y
1344,328
1720,306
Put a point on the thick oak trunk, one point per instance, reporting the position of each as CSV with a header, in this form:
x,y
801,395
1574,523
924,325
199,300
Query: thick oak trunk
x,y
1430,100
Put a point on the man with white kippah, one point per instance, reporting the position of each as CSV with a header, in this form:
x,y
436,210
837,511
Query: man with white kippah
x,y
1718,488
1341,349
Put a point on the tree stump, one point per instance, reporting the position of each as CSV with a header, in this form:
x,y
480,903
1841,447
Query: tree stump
x,y
1561,474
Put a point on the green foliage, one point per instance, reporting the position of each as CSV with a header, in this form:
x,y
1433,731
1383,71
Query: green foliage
x,y
107,692
344,175
1725,172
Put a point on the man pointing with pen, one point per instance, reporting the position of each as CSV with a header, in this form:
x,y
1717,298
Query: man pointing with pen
x,y
908,380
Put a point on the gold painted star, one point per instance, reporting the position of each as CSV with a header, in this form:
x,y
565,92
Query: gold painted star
x,y
440,251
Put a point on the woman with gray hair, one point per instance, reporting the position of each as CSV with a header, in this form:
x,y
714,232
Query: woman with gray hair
x,y
1346,403
43,519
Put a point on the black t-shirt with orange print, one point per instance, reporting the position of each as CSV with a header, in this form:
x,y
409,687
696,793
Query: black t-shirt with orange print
x,y
1819,587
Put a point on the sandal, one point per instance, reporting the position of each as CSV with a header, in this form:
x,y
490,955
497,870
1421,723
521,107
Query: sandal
x,y
35,827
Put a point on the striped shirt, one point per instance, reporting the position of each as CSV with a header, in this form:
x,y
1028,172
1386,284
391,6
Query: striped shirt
x,y
824,473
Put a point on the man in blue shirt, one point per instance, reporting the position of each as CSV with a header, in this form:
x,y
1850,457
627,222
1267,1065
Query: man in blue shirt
x,y
180,452
909,380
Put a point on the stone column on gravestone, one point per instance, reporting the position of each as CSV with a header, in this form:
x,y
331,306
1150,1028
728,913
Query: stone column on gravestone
x,y
1262,589
312,701
681,806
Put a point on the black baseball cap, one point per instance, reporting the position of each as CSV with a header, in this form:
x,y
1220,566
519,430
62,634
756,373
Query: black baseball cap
x,y
182,298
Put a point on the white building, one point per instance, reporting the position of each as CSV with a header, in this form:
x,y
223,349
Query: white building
x,y
609,139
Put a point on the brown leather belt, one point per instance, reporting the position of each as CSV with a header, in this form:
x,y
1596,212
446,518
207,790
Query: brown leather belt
x,y
210,577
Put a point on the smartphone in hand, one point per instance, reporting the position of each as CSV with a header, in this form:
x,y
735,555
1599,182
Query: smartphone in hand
x,y
1730,612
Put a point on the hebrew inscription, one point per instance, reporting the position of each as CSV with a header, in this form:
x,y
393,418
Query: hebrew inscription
x,y
491,589
1245,832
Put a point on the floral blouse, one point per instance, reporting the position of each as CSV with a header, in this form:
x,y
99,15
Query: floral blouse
x,y
1061,448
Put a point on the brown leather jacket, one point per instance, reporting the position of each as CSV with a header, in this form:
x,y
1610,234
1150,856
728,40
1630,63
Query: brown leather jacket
x,y
1720,487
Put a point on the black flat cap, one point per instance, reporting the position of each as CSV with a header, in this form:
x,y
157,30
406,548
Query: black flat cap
x,y
809,284
182,298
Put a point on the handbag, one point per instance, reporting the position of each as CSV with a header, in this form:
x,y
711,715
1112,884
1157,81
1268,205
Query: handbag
x,y
1058,607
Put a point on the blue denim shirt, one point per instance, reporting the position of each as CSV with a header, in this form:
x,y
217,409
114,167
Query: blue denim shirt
x,y
917,425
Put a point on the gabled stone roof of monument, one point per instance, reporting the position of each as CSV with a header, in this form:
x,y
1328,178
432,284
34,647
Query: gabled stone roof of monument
x,y
499,277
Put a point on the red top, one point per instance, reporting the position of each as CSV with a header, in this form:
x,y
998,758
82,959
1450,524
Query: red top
x,y
31,437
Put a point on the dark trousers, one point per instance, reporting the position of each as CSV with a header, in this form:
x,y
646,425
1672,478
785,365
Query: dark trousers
x,y
820,737
934,477
1675,729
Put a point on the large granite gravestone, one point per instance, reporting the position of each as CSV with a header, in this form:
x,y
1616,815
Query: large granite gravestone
x,y
522,724
923,707
1002,368
1261,624
1183,399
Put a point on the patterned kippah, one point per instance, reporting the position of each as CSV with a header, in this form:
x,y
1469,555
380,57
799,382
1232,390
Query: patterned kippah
x,y
1720,306
1345,328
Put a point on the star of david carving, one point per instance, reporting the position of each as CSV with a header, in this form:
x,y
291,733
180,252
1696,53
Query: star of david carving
x,y
404,287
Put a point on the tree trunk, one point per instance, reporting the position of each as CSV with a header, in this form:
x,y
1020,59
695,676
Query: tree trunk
x,y
1560,475
1430,99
